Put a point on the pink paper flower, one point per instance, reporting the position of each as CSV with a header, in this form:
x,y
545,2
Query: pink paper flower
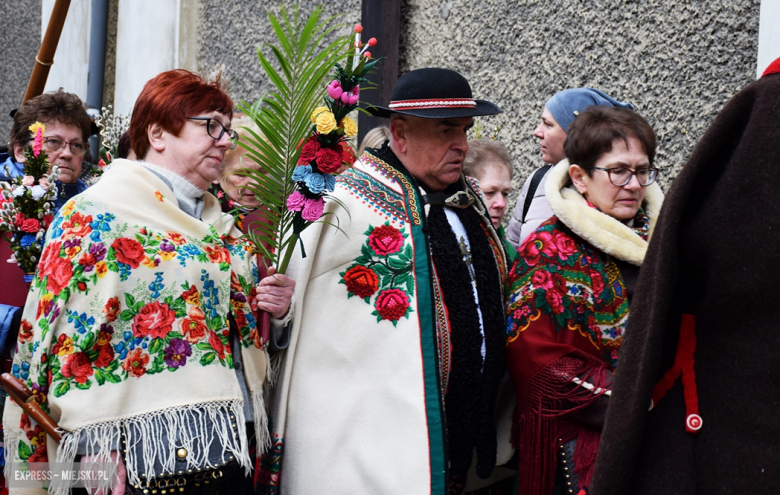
x,y
372,42
335,90
296,201
358,28
28,180
44,182
312,210
38,143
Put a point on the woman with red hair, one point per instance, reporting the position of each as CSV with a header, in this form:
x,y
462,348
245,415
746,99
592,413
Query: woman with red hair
x,y
140,335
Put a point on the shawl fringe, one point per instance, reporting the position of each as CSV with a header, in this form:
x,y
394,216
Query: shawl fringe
x,y
605,233
193,427
541,425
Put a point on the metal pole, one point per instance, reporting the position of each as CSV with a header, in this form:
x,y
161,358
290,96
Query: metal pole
x,y
45,57
97,64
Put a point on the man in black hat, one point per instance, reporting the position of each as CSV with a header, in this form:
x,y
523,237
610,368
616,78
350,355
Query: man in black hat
x,y
397,345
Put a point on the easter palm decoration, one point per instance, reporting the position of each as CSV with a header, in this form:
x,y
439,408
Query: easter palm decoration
x,y
283,116
305,127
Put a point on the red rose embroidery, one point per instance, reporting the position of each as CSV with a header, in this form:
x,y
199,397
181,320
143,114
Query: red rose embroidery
x,y
385,240
105,356
25,331
328,160
154,320
536,246
309,151
361,281
218,254
60,272
50,253
111,309
40,454
194,327
30,225
391,304
77,226
597,283
564,244
128,251
135,363
541,279
78,367
216,343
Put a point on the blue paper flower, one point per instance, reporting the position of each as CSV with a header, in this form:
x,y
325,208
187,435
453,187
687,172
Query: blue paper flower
x,y
301,172
315,182
27,240
330,183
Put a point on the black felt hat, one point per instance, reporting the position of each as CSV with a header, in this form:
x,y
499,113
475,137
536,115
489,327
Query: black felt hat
x,y
434,94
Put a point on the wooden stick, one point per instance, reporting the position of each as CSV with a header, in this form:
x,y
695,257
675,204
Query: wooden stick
x,y
26,400
45,57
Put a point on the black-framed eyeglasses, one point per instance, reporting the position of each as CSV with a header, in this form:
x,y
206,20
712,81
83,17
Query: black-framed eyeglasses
x,y
53,145
620,176
216,130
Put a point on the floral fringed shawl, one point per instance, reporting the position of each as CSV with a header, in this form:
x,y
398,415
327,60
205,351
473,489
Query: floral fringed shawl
x,y
568,308
126,330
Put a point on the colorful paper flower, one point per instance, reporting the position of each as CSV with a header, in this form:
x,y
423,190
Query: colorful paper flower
x,y
326,123
350,127
312,210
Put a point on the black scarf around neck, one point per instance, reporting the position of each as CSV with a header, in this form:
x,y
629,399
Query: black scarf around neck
x,y
471,392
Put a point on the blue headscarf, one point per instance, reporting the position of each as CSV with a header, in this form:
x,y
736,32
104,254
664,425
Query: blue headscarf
x,y
567,104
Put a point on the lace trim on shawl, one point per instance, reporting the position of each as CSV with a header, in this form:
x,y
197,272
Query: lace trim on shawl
x,y
193,427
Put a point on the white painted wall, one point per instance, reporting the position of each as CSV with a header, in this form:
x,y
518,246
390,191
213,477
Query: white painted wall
x,y
147,44
768,35
71,60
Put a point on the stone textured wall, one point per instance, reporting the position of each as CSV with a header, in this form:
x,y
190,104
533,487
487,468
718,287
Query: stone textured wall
x,y
231,32
677,61
20,39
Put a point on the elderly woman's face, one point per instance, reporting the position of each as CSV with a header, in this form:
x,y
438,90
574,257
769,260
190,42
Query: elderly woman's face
x,y
195,154
551,138
623,202
235,185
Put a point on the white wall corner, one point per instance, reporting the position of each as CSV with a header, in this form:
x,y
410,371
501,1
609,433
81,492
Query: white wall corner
x,y
768,35
70,70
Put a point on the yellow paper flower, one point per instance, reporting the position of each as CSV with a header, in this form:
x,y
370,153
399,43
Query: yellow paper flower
x,y
34,128
317,111
350,127
326,123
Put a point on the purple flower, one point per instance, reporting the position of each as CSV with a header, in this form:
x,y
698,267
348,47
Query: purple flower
x,y
72,242
167,246
296,201
237,296
177,352
98,250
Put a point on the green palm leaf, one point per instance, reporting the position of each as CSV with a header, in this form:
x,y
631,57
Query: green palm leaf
x,y
297,67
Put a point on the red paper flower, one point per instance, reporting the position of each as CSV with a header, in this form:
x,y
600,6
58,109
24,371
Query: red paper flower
x,y
60,271
361,281
372,42
328,160
309,151
358,28
30,225
347,155
78,367
391,304
128,251
385,240
154,320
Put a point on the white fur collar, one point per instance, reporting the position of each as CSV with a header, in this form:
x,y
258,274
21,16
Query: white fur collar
x,y
602,231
